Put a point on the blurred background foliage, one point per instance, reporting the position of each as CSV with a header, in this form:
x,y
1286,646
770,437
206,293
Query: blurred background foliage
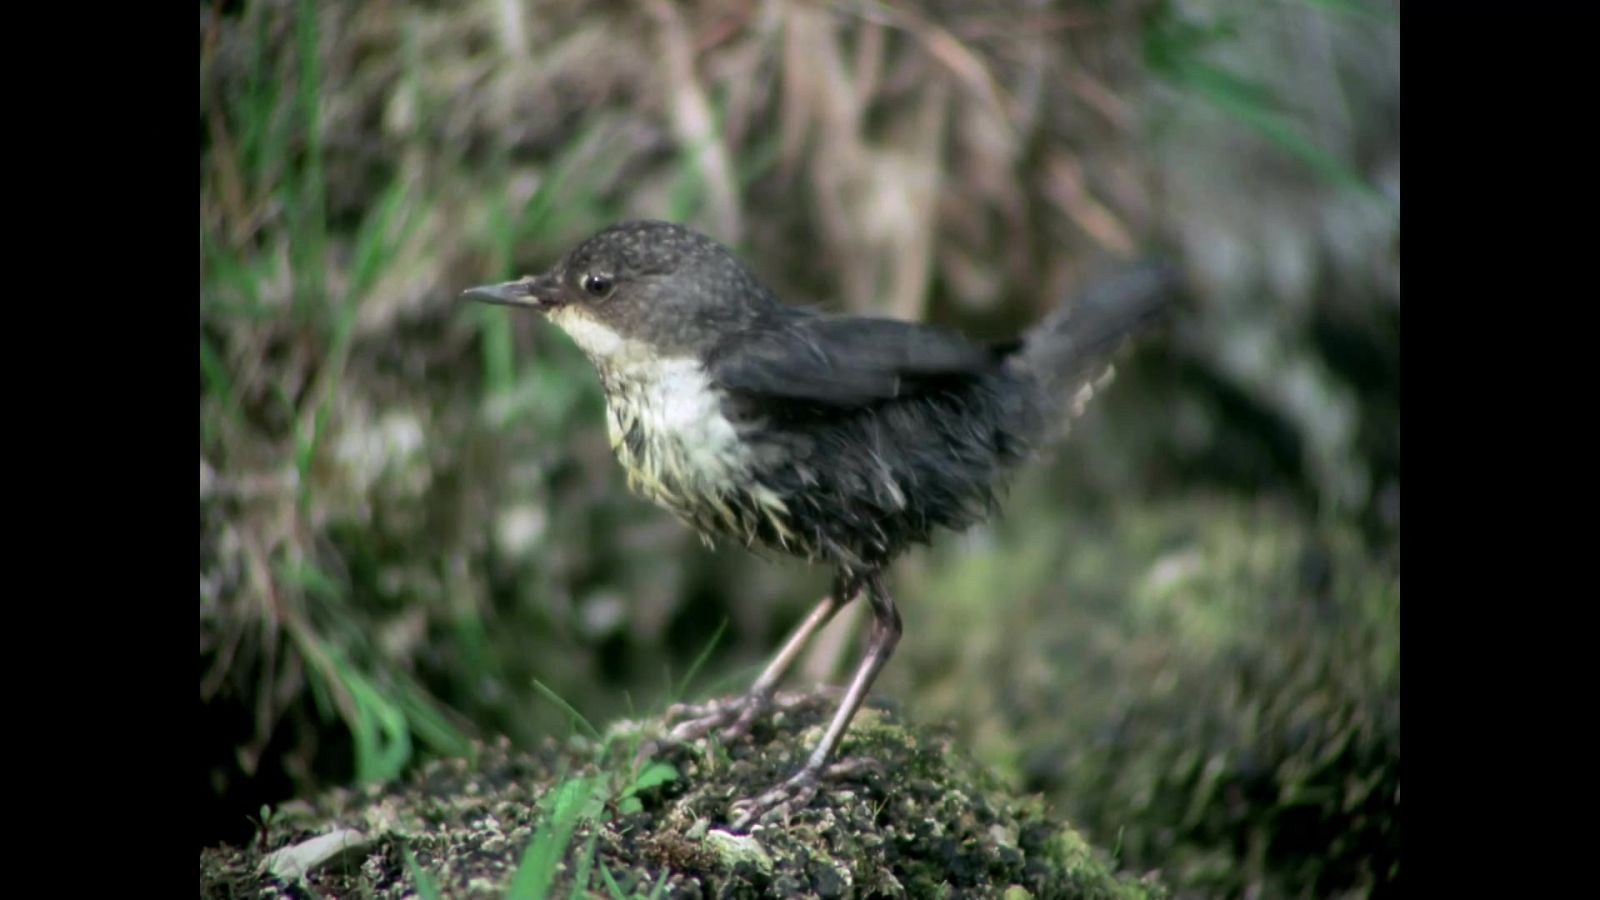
x,y
1185,628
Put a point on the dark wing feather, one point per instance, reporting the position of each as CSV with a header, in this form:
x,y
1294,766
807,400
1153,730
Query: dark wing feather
x,y
844,361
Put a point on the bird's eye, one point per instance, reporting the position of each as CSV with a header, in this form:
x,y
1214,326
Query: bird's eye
x,y
597,285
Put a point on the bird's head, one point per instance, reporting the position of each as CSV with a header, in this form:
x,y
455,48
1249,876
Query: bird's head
x,y
640,287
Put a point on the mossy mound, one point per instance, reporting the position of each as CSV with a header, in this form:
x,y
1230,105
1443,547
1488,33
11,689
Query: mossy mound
x,y
1212,685
921,821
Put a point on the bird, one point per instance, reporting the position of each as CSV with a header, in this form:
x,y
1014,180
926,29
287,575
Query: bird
x,y
839,439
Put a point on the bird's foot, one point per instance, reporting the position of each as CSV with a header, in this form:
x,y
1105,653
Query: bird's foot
x,y
731,719
795,794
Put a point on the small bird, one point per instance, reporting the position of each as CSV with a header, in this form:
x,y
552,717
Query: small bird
x,y
839,439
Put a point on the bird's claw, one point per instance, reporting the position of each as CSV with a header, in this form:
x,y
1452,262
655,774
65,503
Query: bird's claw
x,y
795,794
730,719
786,799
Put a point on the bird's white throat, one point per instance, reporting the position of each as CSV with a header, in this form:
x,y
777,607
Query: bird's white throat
x,y
664,418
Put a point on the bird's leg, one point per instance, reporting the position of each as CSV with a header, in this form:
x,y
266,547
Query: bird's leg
x,y
735,717
794,794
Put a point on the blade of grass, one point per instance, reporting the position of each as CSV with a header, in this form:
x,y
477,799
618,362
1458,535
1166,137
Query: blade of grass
x,y
429,723
576,716
232,285
681,689
585,865
570,803
262,137
472,638
409,711
1239,99
494,323
1173,50
382,735
378,240
426,888
375,248
563,194
310,578
542,216
308,239
379,731
214,380
611,883
213,374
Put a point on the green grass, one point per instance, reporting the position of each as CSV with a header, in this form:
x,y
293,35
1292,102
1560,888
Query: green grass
x,y
573,716
681,689
275,147
427,888
615,788
1175,50
571,802
581,800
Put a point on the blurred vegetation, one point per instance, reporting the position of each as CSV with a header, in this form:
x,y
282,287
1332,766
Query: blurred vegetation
x,y
1214,681
1185,628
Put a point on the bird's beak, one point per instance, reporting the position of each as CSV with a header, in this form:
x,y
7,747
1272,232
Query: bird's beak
x,y
538,292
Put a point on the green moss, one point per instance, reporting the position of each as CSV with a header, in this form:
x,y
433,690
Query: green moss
x,y
922,821
1210,686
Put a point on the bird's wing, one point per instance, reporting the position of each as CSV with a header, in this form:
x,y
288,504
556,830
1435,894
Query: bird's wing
x,y
844,361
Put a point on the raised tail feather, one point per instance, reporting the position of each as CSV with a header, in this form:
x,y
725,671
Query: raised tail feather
x,y
1071,351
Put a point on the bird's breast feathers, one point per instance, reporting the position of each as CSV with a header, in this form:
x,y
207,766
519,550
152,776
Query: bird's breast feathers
x,y
666,425
664,418
669,433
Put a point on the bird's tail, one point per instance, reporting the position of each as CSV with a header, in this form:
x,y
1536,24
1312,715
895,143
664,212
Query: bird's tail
x,y
1070,353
